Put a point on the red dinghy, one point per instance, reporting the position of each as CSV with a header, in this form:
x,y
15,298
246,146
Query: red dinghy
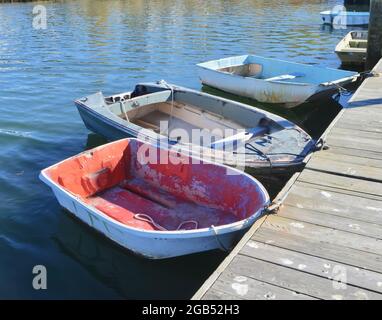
x,y
156,202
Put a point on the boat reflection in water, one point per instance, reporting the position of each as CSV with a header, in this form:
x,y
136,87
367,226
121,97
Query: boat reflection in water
x,y
131,276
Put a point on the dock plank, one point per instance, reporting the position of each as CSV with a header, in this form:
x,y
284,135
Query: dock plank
x,y
244,287
333,221
295,280
331,235
354,159
336,203
346,168
328,269
319,248
341,182
367,154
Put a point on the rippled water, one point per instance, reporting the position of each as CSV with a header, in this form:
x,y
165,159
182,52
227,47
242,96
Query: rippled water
x,y
110,45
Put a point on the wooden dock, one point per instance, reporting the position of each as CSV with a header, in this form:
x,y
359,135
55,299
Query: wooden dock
x,y
325,242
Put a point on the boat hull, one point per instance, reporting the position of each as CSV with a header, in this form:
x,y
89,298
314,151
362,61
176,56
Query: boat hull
x,y
97,197
352,58
306,82
150,245
345,18
287,94
112,131
351,50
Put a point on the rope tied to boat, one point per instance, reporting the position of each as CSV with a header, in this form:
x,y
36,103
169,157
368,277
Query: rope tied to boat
x,y
320,145
273,207
361,75
221,245
147,218
342,90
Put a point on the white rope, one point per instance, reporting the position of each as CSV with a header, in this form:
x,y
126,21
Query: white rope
x,y
147,218
221,245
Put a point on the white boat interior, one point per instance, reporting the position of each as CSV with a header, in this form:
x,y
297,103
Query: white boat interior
x,y
168,118
274,70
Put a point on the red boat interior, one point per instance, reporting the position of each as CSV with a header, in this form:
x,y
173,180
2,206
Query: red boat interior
x,y
154,189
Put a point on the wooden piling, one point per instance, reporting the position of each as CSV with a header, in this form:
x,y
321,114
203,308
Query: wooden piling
x,y
374,46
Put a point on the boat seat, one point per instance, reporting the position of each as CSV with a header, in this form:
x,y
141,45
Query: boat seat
x,y
136,196
288,76
245,70
358,43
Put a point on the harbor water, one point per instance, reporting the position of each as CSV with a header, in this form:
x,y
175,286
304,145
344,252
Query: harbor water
x,y
110,45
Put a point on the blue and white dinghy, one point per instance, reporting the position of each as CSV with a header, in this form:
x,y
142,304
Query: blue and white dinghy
x,y
345,18
272,80
199,124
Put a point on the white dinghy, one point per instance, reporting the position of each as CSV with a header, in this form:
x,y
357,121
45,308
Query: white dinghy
x,y
345,18
352,48
272,80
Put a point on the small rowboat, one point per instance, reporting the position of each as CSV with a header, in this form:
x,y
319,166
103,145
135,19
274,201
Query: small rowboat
x,y
200,124
272,80
352,48
163,206
345,18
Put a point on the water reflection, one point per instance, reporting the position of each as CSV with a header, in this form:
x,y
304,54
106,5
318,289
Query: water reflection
x,y
128,275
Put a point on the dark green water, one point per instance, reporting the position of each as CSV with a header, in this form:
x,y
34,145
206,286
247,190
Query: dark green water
x,y
110,45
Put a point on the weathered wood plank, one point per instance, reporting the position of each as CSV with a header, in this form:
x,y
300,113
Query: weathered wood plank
x,y
346,159
213,294
242,287
332,221
295,280
367,154
360,123
314,265
308,230
344,191
319,248
340,182
345,168
351,142
331,202
357,135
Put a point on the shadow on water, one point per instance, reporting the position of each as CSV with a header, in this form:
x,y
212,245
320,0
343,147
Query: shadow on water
x,y
129,275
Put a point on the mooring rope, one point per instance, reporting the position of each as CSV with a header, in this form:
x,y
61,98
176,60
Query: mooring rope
x,y
147,218
221,245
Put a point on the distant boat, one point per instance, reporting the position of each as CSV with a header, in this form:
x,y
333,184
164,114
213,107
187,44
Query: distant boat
x,y
346,18
204,125
157,210
352,48
272,80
